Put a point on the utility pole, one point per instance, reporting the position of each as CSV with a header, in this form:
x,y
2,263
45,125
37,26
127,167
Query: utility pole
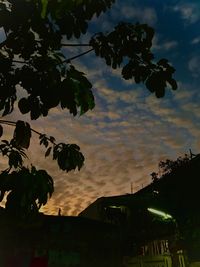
x,y
131,188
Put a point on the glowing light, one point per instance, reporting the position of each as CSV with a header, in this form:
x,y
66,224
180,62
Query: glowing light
x,y
160,213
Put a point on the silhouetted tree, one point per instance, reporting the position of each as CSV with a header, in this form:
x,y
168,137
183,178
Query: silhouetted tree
x,y
168,166
154,176
31,59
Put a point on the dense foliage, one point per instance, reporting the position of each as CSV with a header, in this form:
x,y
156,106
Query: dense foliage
x,y
169,166
32,61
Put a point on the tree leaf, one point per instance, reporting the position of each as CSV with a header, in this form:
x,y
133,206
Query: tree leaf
x,y
173,83
24,105
44,8
48,152
22,134
1,130
15,159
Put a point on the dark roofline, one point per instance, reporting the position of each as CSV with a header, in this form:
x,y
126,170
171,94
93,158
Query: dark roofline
x,y
142,190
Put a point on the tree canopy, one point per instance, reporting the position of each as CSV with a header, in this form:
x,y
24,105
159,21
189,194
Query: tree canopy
x,y
32,60
169,166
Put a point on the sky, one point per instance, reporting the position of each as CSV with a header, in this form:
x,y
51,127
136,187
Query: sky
x,y
130,130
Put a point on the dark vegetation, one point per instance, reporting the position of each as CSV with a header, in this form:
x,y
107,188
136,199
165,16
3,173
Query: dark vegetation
x,y
177,192
32,62
169,166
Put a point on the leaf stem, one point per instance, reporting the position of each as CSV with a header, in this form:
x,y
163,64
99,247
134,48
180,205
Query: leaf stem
x,y
79,55
63,44
68,60
13,123
75,44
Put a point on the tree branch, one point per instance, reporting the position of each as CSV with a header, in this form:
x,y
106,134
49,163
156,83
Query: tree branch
x,y
79,55
38,41
62,44
75,45
13,123
20,61
64,61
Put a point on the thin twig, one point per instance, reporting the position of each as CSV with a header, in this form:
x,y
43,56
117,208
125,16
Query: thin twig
x,y
64,61
13,123
79,55
62,44
75,44
20,61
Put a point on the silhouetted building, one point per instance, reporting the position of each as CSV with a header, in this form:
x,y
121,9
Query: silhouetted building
x,y
161,219
158,226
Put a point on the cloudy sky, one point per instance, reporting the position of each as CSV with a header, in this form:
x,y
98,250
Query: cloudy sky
x,y
130,130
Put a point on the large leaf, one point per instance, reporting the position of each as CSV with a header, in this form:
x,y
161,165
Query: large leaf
x,y
1,130
76,93
22,134
15,159
68,156
44,8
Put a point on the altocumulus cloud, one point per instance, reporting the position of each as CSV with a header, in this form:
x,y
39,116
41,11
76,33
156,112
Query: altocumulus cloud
x,y
121,153
129,131
189,11
193,65
124,149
